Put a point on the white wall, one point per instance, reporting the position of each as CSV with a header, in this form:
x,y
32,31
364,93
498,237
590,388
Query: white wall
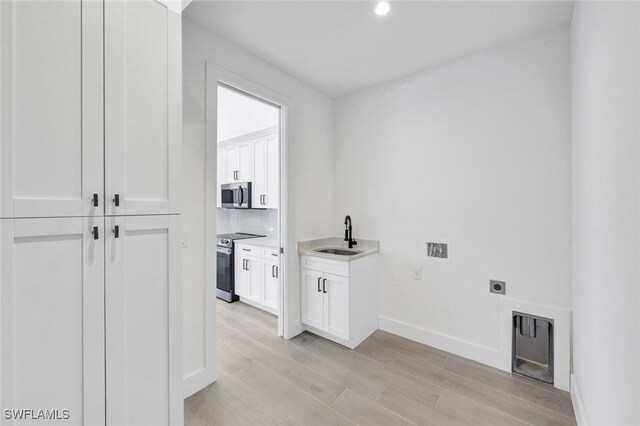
x,y
261,222
239,114
310,185
476,152
606,212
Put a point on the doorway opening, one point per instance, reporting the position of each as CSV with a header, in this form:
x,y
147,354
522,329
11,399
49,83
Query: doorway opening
x,y
249,206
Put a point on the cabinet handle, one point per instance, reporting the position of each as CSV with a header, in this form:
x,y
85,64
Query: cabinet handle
x,y
246,249
324,285
319,278
95,233
276,271
116,231
273,274
244,264
116,200
94,200
248,265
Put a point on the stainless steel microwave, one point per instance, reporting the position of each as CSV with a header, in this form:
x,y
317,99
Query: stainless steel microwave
x,y
236,195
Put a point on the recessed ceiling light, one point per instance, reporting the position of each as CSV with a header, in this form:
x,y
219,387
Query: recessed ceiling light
x,y
382,8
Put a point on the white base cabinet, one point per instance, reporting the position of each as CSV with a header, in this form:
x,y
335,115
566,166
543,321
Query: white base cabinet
x,y
71,284
257,276
340,298
143,328
52,317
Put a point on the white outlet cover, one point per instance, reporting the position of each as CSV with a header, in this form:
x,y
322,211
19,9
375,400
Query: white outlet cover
x,y
417,274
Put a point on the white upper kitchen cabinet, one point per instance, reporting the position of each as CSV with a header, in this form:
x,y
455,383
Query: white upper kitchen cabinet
x,y
51,120
52,317
239,162
142,108
265,172
143,328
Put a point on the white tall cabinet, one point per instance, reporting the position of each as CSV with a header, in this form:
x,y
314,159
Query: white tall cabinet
x,y
90,294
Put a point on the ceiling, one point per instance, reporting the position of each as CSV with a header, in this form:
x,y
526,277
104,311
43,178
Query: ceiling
x,y
339,47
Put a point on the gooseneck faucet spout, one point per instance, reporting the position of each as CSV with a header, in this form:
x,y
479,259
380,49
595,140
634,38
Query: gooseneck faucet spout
x,y
348,232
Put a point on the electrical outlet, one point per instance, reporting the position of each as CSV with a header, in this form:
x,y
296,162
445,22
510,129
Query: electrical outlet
x,y
497,287
417,274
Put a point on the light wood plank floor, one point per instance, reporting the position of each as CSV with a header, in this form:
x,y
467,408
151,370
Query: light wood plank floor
x,y
387,380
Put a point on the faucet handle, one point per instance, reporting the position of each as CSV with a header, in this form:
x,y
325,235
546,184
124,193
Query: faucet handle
x,y
354,242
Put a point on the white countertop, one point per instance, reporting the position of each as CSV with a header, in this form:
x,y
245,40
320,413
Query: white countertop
x,y
267,242
368,247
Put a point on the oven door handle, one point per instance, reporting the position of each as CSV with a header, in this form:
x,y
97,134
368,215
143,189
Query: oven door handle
x,y
241,195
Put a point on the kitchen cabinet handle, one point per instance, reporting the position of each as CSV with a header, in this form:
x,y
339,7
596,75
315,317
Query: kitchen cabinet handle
x,y
273,273
277,267
319,278
246,249
94,200
116,200
116,231
248,265
324,285
95,233
244,265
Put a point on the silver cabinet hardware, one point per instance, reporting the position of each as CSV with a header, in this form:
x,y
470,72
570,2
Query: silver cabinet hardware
x,y
324,285
319,278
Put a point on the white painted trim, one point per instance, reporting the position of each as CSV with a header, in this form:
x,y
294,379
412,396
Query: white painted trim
x,y
286,321
440,341
197,381
562,336
578,404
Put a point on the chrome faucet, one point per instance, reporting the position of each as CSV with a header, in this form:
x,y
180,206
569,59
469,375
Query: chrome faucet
x,y
348,232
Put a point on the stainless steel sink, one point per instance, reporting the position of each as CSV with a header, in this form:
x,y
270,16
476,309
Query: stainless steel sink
x,y
339,251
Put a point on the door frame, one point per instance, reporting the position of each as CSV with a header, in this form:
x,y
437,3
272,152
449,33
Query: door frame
x,y
216,74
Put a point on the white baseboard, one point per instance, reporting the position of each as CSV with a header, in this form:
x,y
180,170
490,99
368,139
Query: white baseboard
x,y
440,341
578,404
197,381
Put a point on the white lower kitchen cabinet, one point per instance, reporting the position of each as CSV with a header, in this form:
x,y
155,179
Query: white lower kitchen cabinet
x,y
90,309
52,316
340,298
143,327
256,276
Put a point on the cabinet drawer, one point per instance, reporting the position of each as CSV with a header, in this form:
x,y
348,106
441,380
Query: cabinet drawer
x,y
330,266
246,250
270,253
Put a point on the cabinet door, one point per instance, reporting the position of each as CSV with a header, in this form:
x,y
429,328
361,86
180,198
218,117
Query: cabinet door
x,y
272,183
259,172
143,328
222,174
271,284
254,265
336,305
233,163
241,276
245,161
312,298
51,310
142,108
51,138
